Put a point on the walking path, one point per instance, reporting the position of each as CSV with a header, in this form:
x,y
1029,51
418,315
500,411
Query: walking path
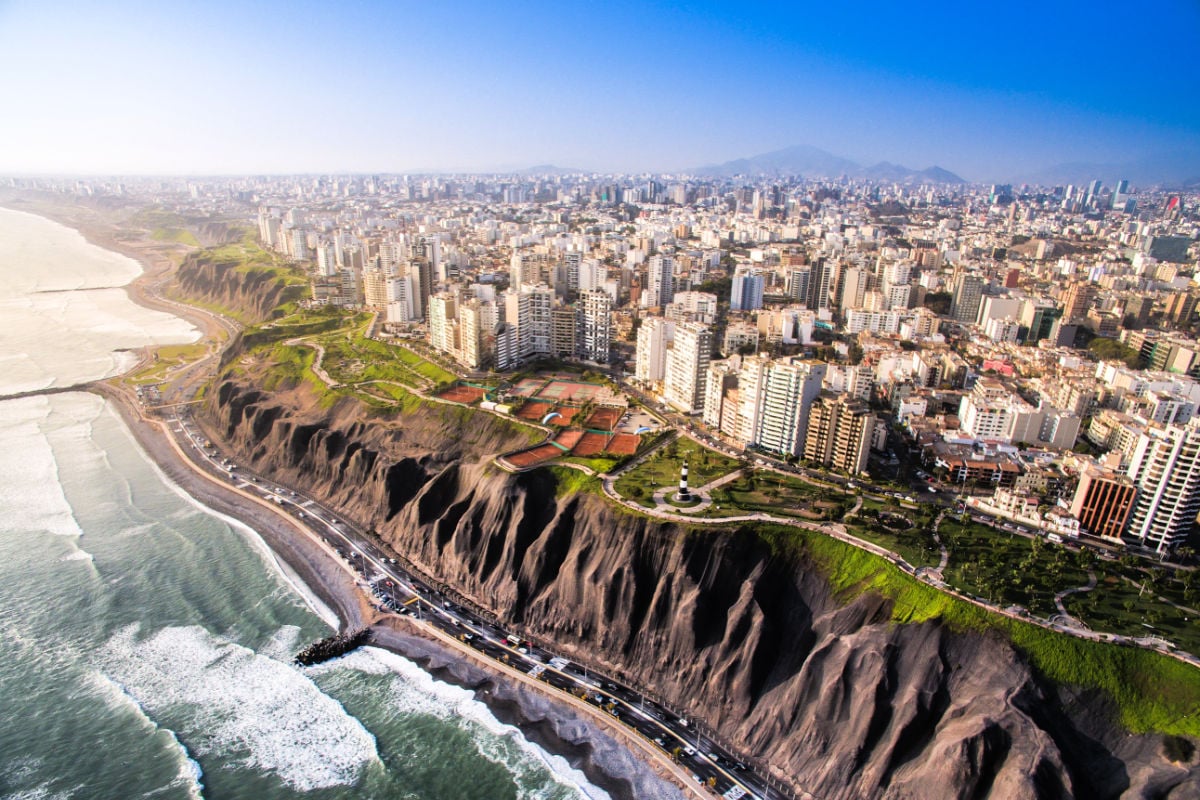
x,y
1058,598
317,365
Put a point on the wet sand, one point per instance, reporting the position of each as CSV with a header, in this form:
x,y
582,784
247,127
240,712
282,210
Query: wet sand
x,y
611,756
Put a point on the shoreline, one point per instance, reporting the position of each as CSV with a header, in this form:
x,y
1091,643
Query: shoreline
x,y
610,757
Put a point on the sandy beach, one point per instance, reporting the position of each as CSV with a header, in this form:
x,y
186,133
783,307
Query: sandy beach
x,y
611,756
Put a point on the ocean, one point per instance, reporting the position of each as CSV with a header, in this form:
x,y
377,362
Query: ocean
x,y
147,640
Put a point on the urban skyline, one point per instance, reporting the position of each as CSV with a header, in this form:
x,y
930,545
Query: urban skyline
x,y
365,87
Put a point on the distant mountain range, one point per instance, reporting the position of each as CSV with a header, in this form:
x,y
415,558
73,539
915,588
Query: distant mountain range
x,y
812,162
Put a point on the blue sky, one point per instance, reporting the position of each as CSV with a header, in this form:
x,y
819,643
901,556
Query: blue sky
x,y
987,90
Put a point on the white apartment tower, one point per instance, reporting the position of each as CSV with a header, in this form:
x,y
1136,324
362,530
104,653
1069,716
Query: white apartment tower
x,y
443,315
653,340
1165,465
787,395
746,293
660,284
687,361
528,309
595,326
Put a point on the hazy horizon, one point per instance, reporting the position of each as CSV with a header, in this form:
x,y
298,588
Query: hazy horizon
x,y
302,88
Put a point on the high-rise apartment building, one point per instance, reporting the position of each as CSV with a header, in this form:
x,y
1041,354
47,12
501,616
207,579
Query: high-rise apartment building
x,y
1165,465
839,433
855,283
746,293
1181,308
595,326
687,361
968,294
660,284
1102,503
528,309
564,331
788,392
443,316
653,341
1077,300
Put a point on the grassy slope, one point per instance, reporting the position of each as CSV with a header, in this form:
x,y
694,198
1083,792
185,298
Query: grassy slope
x,y
1153,692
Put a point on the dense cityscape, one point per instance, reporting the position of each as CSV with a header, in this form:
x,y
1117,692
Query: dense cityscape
x,y
1036,343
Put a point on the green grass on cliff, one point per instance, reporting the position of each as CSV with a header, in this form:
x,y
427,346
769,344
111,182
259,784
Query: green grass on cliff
x,y
574,481
179,235
1152,692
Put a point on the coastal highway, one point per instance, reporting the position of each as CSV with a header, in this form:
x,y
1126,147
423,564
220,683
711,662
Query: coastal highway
x,y
400,591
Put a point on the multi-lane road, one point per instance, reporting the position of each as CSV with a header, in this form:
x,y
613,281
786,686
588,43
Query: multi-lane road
x,y
396,589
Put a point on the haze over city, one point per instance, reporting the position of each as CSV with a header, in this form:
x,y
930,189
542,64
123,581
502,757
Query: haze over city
x,y
222,88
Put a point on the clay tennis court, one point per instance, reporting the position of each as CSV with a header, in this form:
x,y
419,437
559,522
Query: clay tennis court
x,y
534,411
463,394
528,458
591,444
603,419
568,439
568,414
624,444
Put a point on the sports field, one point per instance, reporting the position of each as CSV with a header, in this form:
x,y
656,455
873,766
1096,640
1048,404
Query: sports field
x,y
463,394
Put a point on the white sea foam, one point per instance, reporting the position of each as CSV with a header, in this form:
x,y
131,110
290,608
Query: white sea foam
x,y
29,487
78,555
40,792
282,644
117,699
417,692
259,713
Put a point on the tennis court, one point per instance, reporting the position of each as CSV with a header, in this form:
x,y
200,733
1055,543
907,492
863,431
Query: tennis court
x,y
568,439
534,411
538,455
592,444
527,387
463,394
567,415
603,419
624,444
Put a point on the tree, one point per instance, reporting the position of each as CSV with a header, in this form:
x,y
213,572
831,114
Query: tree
x,y
1113,350
938,302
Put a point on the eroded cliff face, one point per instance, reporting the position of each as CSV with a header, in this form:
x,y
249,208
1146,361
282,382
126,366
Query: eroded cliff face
x,y
837,698
255,293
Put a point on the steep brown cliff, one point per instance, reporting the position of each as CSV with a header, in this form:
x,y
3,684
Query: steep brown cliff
x,y
843,702
253,291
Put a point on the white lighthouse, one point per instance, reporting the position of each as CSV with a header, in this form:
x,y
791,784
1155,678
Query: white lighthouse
x,y
683,484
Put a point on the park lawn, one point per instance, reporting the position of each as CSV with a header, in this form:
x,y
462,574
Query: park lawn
x,y
1006,568
1116,606
573,481
167,358
915,545
423,366
662,469
352,358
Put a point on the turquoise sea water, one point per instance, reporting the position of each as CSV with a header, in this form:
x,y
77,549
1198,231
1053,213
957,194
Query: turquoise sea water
x,y
146,641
